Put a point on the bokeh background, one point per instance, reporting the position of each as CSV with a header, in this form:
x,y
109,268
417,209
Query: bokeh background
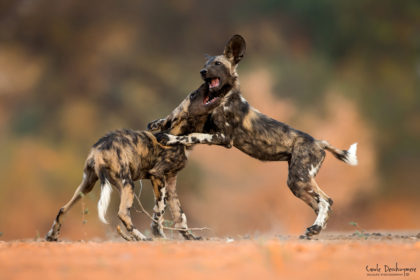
x,y
344,71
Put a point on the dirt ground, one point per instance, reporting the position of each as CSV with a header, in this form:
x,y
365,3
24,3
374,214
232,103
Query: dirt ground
x,y
331,256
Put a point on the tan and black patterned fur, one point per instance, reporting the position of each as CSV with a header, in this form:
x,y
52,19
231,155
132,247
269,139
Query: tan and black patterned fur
x,y
262,137
122,157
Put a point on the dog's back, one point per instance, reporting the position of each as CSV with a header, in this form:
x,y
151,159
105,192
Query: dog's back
x,y
124,152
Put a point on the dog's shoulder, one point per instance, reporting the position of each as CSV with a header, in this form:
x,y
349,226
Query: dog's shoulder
x,y
236,105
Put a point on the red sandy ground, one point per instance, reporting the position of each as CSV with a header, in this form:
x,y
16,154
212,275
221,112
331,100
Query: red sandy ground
x,y
340,257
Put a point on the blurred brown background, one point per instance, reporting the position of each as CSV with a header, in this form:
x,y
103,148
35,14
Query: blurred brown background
x,y
342,71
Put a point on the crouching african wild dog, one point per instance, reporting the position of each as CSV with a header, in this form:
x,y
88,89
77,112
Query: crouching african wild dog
x,y
262,137
122,157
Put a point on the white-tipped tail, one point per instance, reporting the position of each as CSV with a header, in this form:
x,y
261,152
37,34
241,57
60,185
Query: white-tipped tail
x,y
351,157
103,203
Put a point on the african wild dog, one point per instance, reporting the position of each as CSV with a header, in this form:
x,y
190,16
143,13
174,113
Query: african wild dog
x,y
122,157
262,137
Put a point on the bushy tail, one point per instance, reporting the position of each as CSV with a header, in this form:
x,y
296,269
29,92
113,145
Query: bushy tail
x,y
348,156
103,203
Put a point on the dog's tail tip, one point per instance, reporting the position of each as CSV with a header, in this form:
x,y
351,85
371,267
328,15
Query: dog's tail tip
x,y
103,203
351,155
348,156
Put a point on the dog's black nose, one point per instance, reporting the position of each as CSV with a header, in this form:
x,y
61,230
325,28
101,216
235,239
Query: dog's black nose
x,y
203,72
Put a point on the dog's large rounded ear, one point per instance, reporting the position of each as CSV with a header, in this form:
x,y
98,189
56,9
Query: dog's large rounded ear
x,y
235,48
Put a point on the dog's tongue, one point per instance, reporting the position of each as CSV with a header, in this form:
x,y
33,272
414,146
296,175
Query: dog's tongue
x,y
214,83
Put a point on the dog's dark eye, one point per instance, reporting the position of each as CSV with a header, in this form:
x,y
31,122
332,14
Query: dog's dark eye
x,y
217,63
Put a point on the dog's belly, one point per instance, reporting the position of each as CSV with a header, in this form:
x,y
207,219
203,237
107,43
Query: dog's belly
x,y
266,139
263,151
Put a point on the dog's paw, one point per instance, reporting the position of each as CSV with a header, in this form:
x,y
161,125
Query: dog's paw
x,y
221,139
228,145
168,139
138,236
313,230
51,238
192,237
162,138
189,236
304,237
155,125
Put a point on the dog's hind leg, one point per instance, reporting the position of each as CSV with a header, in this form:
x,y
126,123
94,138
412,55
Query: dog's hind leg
x,y
126,202
324,205
88,181
179,217
160,193
303,167
312,195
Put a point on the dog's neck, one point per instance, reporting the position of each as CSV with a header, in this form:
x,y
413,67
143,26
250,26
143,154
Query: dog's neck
x,y
229,88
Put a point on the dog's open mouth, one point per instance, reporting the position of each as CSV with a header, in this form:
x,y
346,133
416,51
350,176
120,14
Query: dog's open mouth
x,y
209,99
213,94
214,83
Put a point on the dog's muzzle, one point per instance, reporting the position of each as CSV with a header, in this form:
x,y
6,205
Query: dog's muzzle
x,y
203,72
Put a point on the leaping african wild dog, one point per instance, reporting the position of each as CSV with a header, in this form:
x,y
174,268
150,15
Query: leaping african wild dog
x,y
122,157
263,137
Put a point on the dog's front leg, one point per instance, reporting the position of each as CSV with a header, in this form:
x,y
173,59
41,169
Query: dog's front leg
x,y
179,217
197,138
156,125
220,126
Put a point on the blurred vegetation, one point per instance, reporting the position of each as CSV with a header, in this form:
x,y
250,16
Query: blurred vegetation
x,y
72,70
